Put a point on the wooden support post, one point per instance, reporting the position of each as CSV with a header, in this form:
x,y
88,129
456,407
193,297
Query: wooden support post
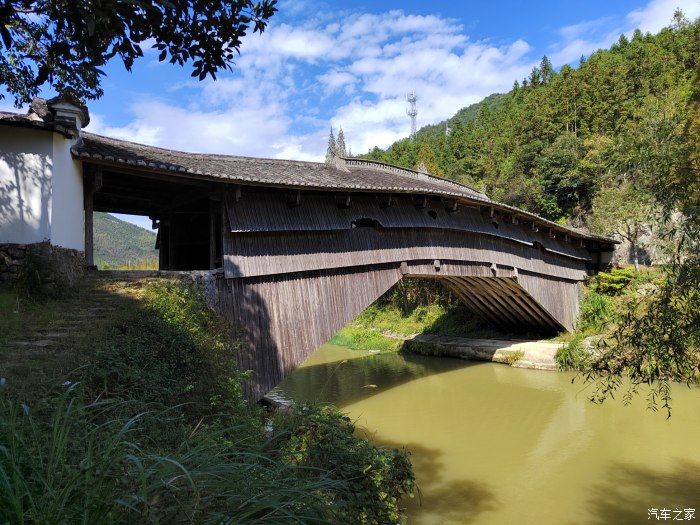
x,y
171,242
212,234
162,245
89,245
92,182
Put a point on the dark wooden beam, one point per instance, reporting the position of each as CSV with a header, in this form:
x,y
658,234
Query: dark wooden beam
x,y
213,205
92,181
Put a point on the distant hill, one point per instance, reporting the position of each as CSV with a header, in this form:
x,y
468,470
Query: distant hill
x,y
121,244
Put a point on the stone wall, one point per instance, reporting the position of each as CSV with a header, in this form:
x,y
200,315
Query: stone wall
x,y
41,265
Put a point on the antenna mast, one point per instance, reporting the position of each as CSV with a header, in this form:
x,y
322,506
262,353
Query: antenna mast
x,y
411,110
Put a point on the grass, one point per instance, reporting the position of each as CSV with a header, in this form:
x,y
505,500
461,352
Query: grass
x,y
514,357
139,418
430,310
146,263
605,296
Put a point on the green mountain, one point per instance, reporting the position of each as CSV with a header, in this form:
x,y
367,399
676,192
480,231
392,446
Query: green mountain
x,y
120,244
560,140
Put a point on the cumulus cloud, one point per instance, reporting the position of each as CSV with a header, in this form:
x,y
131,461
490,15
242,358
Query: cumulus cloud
x,y
353,70
588,36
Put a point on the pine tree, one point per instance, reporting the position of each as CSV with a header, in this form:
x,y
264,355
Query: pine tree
x,y
428,161
546,70
332,147
340,144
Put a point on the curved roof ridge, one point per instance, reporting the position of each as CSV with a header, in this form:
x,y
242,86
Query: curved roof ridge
x,y
202,153
412,172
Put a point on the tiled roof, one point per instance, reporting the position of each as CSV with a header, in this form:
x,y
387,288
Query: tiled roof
x,y
29,121
346,174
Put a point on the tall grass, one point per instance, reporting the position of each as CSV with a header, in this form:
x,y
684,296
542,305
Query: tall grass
x,y
152,428
75,463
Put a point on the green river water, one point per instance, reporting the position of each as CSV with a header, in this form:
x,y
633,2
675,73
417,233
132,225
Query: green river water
x,y
500,445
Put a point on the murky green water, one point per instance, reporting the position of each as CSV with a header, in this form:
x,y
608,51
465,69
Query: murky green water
x,y
499,445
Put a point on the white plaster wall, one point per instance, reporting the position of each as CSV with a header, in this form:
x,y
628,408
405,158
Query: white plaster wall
x,y
25,184
67,215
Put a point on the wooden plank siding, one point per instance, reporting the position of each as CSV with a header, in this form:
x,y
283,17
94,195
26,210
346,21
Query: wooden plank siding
x,y
265,212
269,253
296,270
286,317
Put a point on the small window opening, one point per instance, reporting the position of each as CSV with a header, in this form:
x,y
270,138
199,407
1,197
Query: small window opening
x,y
365,222
432,213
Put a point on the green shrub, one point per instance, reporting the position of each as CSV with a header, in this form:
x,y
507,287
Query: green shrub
x,y
515,357
573,356
376,478
70,462
614,282
596,311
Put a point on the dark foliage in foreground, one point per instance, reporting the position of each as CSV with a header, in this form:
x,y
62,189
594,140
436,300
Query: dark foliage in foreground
x,y
66,43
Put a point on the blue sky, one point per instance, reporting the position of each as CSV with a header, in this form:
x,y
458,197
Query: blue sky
x,y
350,64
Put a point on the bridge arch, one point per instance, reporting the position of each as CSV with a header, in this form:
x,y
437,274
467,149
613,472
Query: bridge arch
x,y
295,270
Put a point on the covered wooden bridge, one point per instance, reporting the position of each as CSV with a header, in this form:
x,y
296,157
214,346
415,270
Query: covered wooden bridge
x,y
305,247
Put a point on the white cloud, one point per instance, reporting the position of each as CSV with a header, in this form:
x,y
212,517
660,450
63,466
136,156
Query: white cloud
x,y
658,13
353,70
588,36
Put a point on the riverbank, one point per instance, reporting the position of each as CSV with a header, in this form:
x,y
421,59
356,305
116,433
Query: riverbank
x,y
419,317
119,403
538,355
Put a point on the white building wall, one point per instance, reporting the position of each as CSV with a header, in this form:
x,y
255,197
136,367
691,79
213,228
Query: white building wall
x,y
41,189
67,215
25,185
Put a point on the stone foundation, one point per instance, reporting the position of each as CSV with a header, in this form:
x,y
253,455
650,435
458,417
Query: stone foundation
x,y
41,265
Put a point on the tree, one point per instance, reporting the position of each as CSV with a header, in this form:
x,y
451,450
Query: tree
x,y
557,168
332,148
428,160
622,209
657,340
546,70
65,43
340,144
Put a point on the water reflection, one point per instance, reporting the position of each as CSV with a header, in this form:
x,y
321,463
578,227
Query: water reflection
x,y
494,444
356,376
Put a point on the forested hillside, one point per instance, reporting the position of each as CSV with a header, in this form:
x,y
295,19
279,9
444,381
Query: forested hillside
x,y
121,244
613,145
561,141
